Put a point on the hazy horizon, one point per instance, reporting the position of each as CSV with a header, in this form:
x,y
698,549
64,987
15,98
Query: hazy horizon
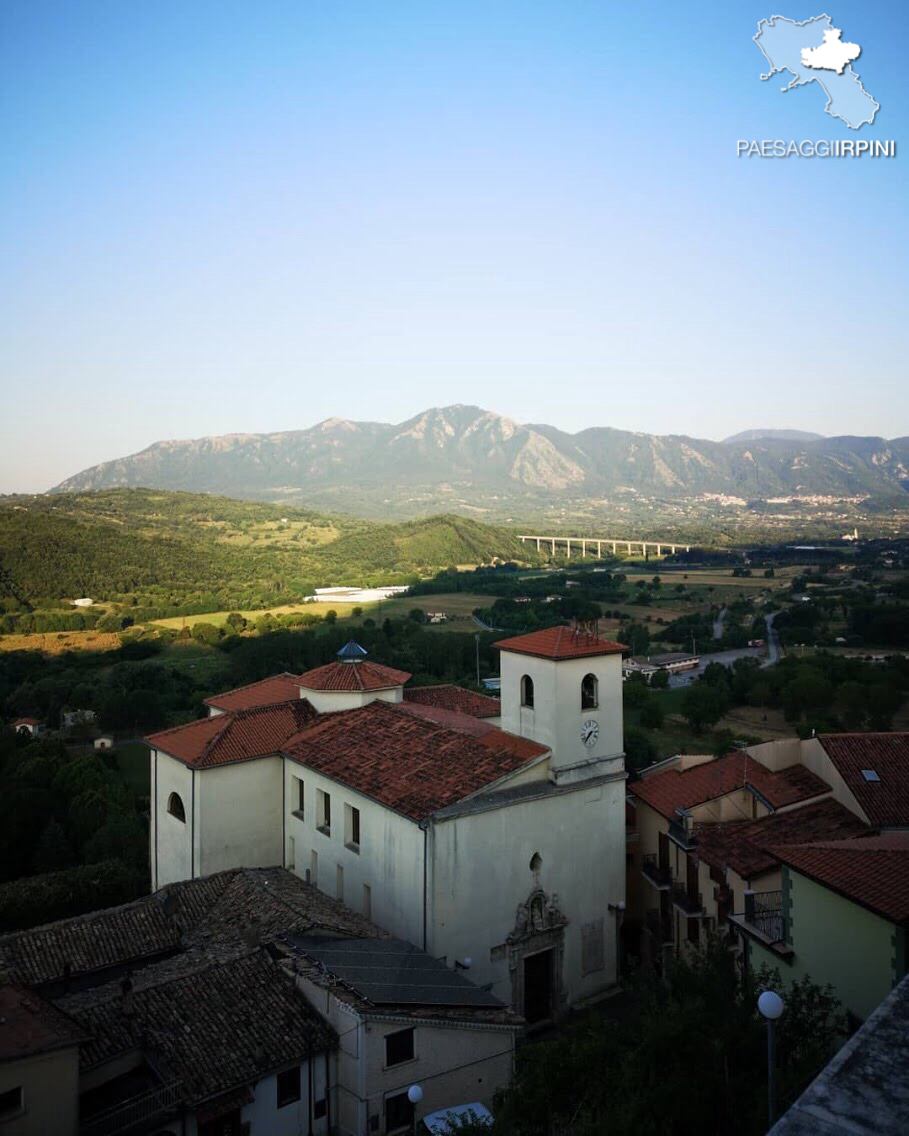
x,y
225,219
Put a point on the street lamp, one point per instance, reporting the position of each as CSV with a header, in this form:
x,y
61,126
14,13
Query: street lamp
x,y
771,1006
415,1095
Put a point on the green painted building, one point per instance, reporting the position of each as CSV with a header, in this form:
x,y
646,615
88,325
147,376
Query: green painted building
x,y
841,918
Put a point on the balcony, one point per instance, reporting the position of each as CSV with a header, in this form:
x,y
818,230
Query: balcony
x,y
139,1114
659,926
680,835
763,920
656,873
689,903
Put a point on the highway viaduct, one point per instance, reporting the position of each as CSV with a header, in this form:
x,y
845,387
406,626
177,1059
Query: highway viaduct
x,y
586,543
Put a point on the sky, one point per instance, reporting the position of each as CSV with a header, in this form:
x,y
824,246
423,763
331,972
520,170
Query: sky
x,y
234,217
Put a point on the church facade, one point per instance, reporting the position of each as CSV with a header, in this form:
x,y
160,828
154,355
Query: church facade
x,y
500,849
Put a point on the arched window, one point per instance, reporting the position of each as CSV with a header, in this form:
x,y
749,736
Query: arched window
x,y
536,862
175,807
589,692
526,690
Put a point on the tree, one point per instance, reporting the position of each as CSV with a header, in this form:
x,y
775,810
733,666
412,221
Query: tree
x,y
689,1061
652,715
703,705
236,622
659,680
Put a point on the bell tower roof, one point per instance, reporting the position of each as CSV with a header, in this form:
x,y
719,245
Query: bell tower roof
x,y
560,643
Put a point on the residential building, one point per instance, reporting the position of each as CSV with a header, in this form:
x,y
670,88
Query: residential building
x,y
841,917
505,845
867,773
31,726
39,1065
737,808
403,1018
237,1003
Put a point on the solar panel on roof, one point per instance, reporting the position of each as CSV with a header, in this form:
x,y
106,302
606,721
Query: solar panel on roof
x,y
388,971
870,775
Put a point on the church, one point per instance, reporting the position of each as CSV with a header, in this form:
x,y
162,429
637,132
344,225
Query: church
x,y
489,833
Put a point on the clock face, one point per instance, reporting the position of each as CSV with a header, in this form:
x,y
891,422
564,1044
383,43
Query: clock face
x,y
590,731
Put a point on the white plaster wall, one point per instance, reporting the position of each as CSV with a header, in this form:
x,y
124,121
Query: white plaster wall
x,y
815,757
239,809
264,1115
557,717
327,701
50,1088
390,859
481,873
454,1063
171,839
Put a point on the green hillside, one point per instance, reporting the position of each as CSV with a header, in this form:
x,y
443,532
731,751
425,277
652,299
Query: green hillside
x,y
152,553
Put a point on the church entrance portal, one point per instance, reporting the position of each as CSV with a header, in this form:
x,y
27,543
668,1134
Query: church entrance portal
x,y
538,987
536,948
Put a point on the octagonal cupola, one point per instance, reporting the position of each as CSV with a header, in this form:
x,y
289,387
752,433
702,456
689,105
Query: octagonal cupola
x,y
352,680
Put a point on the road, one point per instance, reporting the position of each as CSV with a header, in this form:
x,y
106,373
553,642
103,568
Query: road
x,y
718,624
767,656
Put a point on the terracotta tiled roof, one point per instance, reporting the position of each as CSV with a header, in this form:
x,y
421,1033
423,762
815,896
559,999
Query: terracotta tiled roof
x,y
405,762
218,1028
234,736
671,789
745,846
353,676
560,643
277,688
213,913
872,872
30,1025
886,802
451,697
453,719
26,722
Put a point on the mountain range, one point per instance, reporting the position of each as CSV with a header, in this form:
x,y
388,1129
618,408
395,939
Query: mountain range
x,y
463,454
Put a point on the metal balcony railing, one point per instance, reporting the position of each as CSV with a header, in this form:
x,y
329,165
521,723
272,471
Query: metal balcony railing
x,y
688,902
659,875
764,912
680,835
139,1113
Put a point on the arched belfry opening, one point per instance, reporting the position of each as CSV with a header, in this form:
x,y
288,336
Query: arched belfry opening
x,y
527,691
590,692
175,807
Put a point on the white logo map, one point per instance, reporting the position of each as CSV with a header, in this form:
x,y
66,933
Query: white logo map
x,y
815,52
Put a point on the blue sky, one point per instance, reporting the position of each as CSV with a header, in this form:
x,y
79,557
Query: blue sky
x,y
221,217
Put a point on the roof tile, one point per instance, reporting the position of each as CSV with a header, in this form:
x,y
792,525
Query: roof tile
x,y
560,643
886,801
405,762
745,846
353,676
265,692
451,697
674,789
872,872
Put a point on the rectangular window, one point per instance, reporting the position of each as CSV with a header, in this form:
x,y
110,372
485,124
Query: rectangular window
x,y
288,1086
339,883
352,828
314,868
11,1102
323,812
398,1113
398,1047
367,901
297,796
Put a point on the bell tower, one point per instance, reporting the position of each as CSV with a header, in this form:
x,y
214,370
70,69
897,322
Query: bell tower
x,y
562,687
